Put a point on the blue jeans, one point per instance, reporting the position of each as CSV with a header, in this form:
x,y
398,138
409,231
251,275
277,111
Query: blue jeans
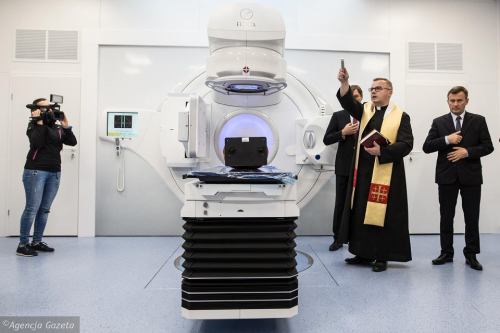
x,y
41,189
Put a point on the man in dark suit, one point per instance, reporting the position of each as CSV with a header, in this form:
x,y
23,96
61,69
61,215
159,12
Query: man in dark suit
x,y
341,129
461,138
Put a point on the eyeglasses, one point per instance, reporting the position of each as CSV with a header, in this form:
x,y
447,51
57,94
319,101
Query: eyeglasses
x,y
378,89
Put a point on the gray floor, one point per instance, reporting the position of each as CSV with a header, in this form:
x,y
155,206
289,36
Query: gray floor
x,y
131,285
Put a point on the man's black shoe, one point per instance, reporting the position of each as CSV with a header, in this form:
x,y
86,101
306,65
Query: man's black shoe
x,y
442,259
335,246
357,260
25,251
470,259
379,266
41,247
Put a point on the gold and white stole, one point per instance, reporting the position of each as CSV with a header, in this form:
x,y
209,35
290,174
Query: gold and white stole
x,y
381,178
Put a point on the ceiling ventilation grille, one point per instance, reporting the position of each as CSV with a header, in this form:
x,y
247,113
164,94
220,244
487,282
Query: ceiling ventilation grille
x,y
449,57
421,56
47,45
429,56
31,44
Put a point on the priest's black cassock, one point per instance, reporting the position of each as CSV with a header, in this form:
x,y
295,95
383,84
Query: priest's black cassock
x,y
392,241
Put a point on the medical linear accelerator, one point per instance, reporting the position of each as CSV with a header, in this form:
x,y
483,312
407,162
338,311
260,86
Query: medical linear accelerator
x,y
239,249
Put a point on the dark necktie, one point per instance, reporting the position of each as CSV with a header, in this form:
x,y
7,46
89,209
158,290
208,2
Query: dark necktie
x,y
354,120
458,126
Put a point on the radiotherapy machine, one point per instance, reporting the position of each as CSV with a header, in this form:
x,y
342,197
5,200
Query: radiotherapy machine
x,y
239,259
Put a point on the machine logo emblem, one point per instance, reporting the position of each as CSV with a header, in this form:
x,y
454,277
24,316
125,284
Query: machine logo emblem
x,y
246,13
246,70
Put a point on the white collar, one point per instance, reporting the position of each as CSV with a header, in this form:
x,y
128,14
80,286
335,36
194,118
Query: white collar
x,y
454,116
388,110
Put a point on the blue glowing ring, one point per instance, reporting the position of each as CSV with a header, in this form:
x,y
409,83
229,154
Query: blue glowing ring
x,y
246,124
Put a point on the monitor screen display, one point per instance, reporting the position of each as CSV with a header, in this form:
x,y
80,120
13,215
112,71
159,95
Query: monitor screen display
x,y
122,124
123,121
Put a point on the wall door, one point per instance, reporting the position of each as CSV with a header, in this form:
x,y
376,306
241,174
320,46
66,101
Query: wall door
x,y
63,218
4,148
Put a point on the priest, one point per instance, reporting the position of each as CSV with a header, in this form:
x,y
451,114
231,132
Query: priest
x,y
376,226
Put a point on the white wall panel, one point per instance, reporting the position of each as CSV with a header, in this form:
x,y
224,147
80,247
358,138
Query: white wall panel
x,y
354,18
4,149
150,15
49,14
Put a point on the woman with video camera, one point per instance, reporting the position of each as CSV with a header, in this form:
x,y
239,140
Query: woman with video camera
x,y
42,172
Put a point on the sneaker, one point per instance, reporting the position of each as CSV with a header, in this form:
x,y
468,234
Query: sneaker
x,y
41,247
26,251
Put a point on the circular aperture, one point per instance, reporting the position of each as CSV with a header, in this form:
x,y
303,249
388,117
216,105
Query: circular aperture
x,y
246,124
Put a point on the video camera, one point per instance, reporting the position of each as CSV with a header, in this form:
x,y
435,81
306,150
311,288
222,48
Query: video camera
x,y
49,113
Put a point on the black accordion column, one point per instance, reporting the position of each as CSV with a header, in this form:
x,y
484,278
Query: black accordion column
x,y
242,264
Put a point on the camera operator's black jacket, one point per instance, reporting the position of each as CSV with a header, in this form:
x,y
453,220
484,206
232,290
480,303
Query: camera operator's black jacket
x,y
46,142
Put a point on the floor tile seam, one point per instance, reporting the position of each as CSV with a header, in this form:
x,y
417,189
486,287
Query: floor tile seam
x,y
163,265
324,266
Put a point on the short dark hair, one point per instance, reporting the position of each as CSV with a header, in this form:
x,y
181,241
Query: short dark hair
x,y
389,83
38,100
355,87
456,90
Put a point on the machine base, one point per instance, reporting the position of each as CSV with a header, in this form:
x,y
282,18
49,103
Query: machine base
x,y
240,313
